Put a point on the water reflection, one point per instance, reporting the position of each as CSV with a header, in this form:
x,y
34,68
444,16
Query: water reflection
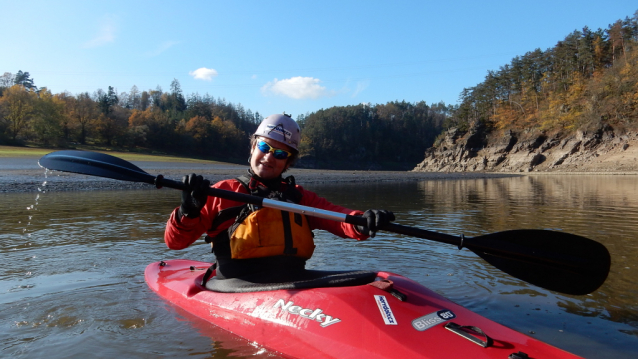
x,y
73,281
603,208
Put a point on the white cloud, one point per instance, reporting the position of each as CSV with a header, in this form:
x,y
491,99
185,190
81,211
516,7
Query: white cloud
x,y
162,47
106,32
297,88
360,87
203,73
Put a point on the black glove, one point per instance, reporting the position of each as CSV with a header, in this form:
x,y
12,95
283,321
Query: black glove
x,y
376,218
194,196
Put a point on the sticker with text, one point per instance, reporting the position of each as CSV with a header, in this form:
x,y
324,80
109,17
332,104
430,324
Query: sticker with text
x,y
386,311
308,313
432,319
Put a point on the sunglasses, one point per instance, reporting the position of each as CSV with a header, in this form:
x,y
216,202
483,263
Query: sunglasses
x,y
277,152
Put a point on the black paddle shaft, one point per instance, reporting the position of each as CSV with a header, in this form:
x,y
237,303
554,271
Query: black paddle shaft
x,y
558,261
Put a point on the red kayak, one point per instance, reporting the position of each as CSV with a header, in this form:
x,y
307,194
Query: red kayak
x,y
393,318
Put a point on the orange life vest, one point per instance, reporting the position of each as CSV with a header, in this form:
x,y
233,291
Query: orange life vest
x,y
271,232
264,232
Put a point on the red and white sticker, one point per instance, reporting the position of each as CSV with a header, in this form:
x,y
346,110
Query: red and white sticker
x,y
386,311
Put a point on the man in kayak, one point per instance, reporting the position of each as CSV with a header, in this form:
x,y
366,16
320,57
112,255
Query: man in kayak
x,y
262,243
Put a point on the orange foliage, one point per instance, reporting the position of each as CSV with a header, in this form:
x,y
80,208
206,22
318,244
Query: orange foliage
x,y
197,127
505,117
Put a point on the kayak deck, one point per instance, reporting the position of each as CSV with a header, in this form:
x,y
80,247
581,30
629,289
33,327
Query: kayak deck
x,y
346,322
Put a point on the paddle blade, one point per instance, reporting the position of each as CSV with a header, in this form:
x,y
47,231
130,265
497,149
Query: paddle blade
x,y
557,261
94,164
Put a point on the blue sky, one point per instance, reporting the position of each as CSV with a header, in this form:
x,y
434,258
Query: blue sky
x,y
292,56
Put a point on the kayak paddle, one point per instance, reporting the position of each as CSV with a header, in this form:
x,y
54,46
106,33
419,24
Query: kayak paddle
x,y
557,261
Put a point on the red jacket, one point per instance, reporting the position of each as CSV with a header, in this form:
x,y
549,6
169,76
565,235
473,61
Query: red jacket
x,y
182,232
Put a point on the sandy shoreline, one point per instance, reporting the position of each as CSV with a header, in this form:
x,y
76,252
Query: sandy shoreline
x,y
23,174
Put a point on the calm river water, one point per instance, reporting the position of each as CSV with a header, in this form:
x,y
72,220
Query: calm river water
x,y
72,283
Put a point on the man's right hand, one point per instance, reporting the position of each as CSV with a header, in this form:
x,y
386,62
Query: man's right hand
x,y
194,196
375,218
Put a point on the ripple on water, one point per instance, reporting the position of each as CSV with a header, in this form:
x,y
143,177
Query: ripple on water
x,y
75,286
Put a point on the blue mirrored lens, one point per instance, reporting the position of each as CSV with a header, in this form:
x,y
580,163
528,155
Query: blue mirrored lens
x,y
265,148
280,154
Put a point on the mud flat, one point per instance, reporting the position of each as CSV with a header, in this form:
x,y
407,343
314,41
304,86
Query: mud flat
x,y
23,174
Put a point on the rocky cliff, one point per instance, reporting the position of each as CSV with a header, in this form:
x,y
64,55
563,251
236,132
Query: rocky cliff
x,y
602,149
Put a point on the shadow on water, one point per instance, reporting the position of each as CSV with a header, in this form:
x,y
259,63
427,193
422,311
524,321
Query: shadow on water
x,y
73,277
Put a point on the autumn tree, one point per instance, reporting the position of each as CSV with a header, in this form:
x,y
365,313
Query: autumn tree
x,y
66,120
145,100
84,112
198,128
142,127
17,108
227,138
47,119
616,40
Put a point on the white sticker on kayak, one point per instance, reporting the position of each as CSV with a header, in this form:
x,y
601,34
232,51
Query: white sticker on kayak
x,y
313,314
386,311
432,319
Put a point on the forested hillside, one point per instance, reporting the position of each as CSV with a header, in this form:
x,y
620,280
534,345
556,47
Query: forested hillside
x,y
390,136
588,79
571,108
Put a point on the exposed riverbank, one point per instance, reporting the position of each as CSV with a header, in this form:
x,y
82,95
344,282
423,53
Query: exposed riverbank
x,y
22,174
599,150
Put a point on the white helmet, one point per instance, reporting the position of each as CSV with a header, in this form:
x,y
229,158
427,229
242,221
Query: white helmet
x,y
280,128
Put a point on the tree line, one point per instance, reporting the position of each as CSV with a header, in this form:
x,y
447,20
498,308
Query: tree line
x,y
372,136
205,127
590,78
150,121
